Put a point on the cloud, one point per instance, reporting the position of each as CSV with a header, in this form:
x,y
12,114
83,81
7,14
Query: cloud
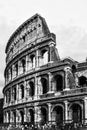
x,y
72,41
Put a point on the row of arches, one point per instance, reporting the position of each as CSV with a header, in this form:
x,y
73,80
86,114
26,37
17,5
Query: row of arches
x,y
56,85
26,63
82,81
57,115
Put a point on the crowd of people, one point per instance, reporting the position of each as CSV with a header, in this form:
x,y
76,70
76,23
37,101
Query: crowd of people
x,y
48,126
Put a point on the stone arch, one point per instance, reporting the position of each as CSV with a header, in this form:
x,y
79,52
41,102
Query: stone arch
x,y
44,114
57,82
82,81
44,55
14,93
75,112
31,115
32,88
44,83
16,69
9,116
21,116
23,62
32,57
22,91
73,68
58,113
14,117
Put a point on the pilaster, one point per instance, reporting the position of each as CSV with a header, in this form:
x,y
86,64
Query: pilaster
x,y
66,78
49,112
85,109
66,111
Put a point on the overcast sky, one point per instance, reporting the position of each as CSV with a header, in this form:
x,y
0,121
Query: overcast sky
x,y
66,18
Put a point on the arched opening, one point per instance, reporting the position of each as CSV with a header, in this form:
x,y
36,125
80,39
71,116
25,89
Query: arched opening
x,y
14,93
57,114
14,118
76,113
73,68
44,115
16,69
31,116
23,65
9,96
8,117
22,91
32,57
82,81
44,85
11,72
21,117
58,81
44,57
31,90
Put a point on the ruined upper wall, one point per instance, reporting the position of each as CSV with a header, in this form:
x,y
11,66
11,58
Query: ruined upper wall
x,y
31,30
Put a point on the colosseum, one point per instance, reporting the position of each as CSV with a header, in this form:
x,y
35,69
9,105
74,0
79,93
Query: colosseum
x,y
39,85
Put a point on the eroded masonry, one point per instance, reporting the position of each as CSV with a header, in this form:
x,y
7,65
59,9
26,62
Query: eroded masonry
x,y
39,86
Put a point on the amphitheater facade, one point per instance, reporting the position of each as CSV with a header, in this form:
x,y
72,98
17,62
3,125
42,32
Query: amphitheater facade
x,y
39,85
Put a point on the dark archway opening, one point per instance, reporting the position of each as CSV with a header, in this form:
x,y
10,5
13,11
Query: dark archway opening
x,y
22,117
31,116
76,113
14,114
59,82
23,65
44,116
58,110
44,85
16,67
22,91
31,92
82,81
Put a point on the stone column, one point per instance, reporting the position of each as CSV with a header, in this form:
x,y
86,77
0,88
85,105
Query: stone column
x,y
66,111
27,63
40,62
20,69
9,73
76,79
66,78
4,99
37,60
7,117
25,90
4,116
13,71
25,114
26,69
49,112
19,89
39,89
11,116
17,92
17,117
50,82
85,109
36,88
39,114
11,95
36,114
